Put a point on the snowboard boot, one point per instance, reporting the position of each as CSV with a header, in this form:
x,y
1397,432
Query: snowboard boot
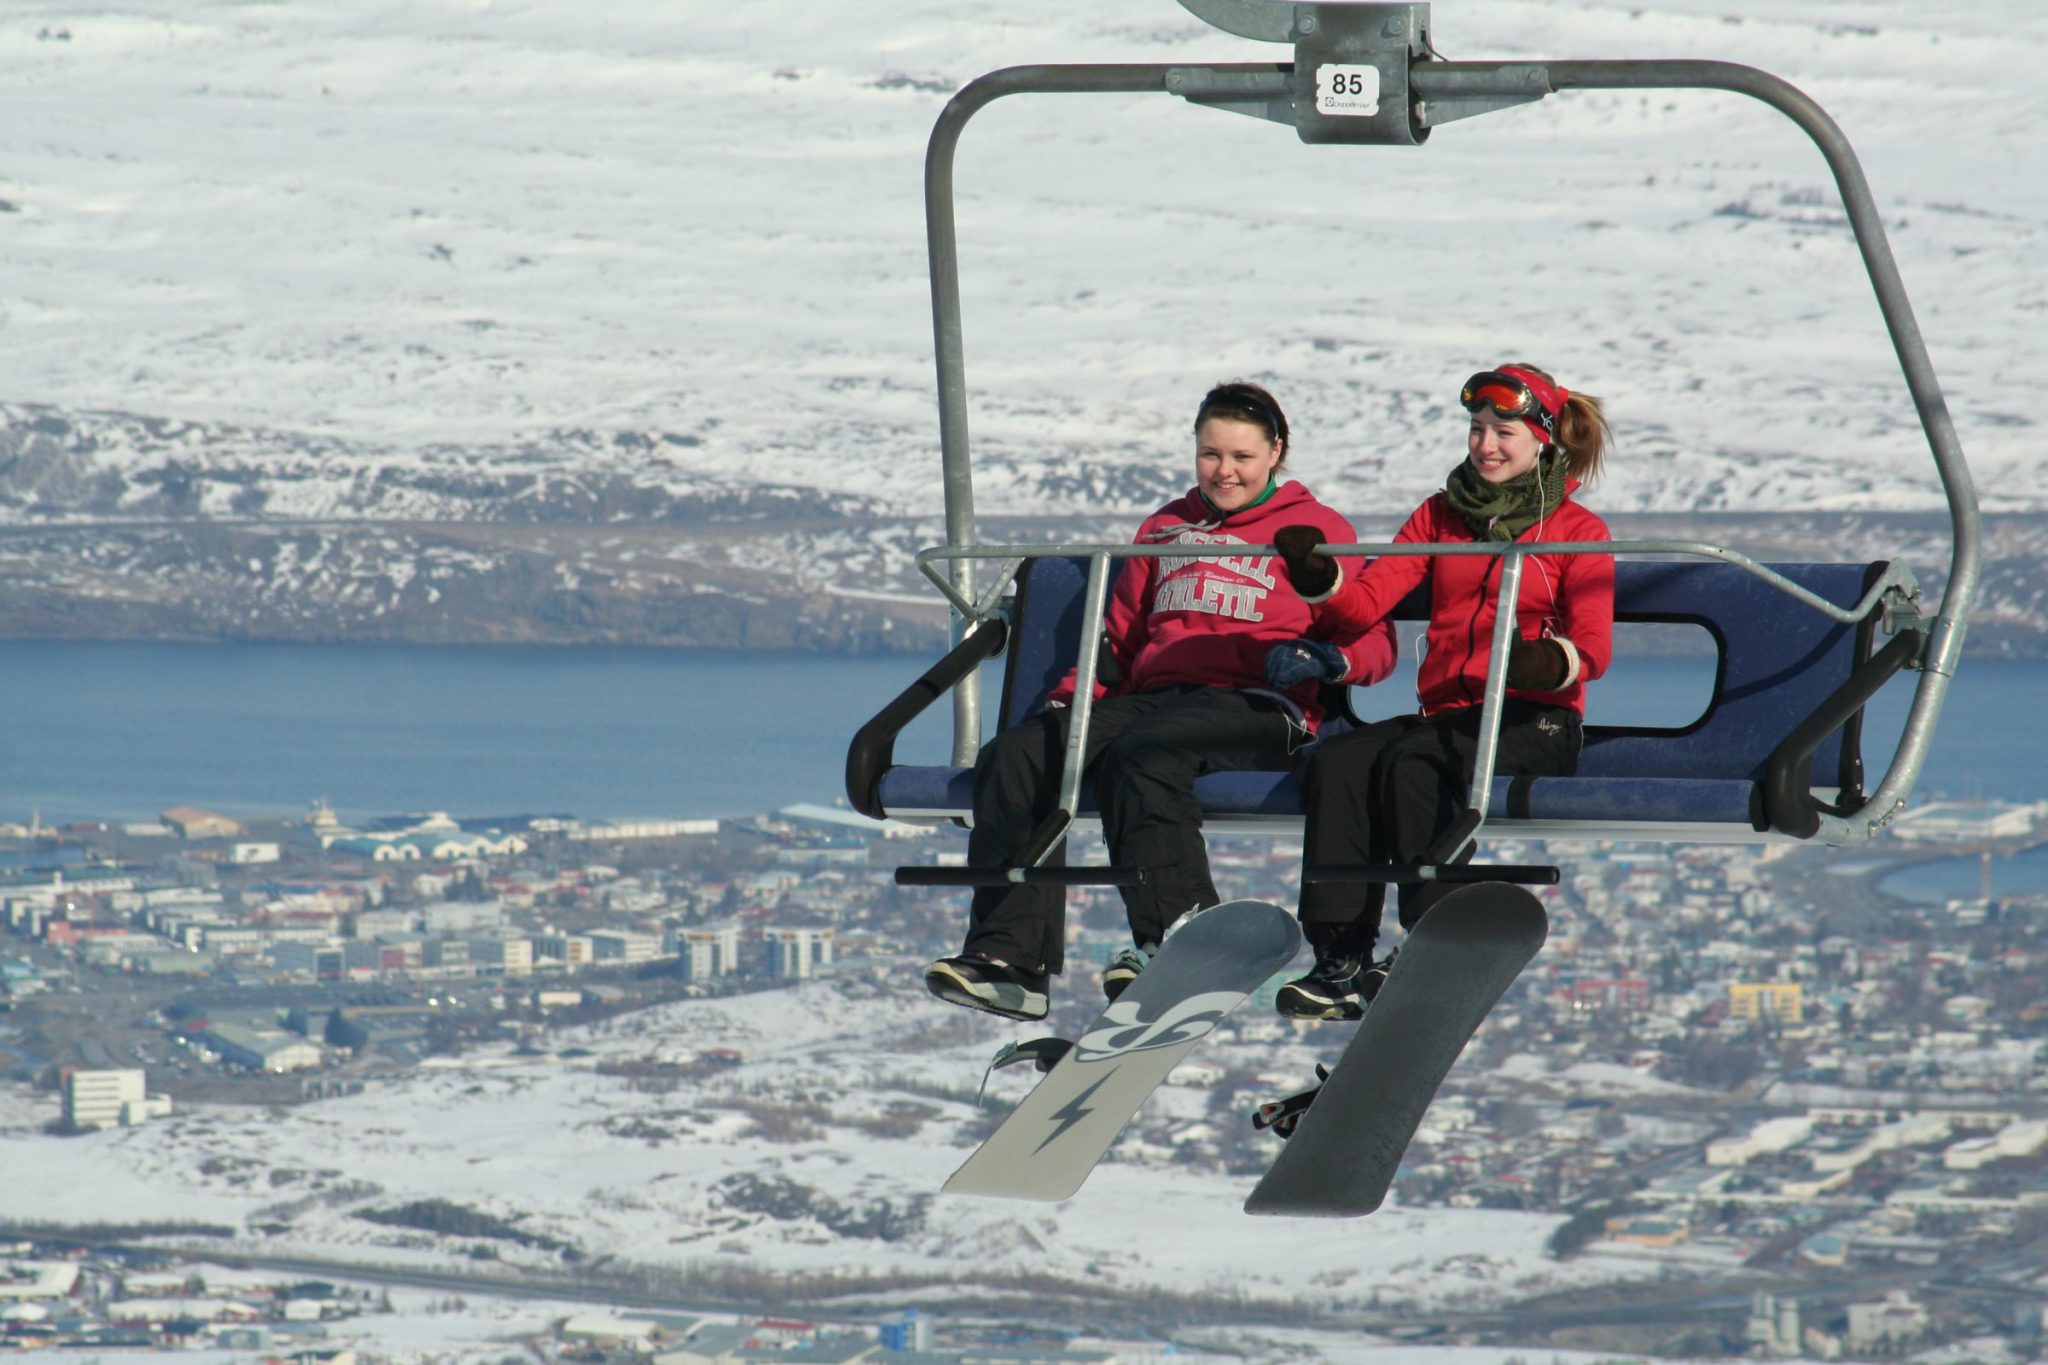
x,y
981,982
1123,969
1338,987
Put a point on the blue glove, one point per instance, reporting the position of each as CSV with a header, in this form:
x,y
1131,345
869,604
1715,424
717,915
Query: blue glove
x,y
1300,661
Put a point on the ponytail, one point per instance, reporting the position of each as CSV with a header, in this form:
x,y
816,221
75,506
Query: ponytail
x,y
1582,431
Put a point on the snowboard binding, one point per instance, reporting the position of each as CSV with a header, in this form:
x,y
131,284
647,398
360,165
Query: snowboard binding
x,y
1044,1053
1281,1116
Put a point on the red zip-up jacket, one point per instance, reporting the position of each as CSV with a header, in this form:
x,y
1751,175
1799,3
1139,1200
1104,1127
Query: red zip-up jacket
x,y
1211,622
1569,598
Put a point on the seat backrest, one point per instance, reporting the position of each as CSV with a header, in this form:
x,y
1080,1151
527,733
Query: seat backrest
x,y
1777,661
1046,635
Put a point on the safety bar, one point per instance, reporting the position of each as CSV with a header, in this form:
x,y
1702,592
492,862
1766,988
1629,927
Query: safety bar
x,y
1013,557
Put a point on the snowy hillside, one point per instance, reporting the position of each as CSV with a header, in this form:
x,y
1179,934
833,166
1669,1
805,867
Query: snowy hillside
x,y
519,321
506,260
819,1156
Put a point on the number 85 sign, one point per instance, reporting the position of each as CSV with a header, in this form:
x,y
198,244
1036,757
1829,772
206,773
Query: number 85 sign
x,y
1344,91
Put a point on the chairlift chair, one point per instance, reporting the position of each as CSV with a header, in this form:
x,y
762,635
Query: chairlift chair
x,y
1777,754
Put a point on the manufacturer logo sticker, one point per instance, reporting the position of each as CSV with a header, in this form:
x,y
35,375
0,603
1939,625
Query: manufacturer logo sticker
x,y
1122,1030
1346,91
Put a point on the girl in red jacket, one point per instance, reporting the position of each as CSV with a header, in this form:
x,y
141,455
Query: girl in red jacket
x,y
1386,792
1187,640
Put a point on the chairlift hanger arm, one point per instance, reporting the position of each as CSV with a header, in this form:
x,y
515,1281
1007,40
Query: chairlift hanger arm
x,y
948,342
1421,91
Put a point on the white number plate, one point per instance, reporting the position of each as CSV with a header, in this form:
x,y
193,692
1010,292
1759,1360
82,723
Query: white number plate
x,y
1347,91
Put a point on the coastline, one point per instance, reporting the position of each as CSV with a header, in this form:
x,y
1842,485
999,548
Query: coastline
x,y
808,582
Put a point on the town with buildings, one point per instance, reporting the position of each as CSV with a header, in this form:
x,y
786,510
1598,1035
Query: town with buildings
x,y
1753,1062
133,1302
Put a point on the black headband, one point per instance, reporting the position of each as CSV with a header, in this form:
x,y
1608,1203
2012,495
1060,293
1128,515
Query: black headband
x,y
1262,412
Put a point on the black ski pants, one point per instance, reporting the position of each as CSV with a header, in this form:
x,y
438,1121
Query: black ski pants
x,y
1385,792
1145,751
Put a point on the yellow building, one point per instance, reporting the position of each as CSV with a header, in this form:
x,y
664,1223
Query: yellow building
x,y
1780,999
1649,1232
194,823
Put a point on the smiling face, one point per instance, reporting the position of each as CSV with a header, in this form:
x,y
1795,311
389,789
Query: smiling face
x,y
1500,448
1234,461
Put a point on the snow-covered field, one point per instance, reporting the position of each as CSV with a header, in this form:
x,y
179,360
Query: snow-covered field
x,y
348,260
582,1156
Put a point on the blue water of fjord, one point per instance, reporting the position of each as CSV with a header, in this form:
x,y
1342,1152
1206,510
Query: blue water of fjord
x,y
119,730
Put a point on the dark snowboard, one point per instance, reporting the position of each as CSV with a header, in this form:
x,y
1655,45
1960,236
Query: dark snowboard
x,y
1452,968
1050,1142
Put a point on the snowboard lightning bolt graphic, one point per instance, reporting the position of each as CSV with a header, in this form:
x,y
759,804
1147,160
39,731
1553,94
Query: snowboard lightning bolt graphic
x,y
1071,1113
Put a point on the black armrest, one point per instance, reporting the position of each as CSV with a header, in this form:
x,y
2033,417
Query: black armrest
x,y
873,751
1789,804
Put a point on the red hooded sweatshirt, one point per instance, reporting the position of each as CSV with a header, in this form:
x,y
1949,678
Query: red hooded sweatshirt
x,y
1211,622
1569,598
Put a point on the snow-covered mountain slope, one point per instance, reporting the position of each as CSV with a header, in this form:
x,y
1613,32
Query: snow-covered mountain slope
x,y
521,260
816,1161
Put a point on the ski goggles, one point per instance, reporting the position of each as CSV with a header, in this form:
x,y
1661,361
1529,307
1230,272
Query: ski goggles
x,y
1509,395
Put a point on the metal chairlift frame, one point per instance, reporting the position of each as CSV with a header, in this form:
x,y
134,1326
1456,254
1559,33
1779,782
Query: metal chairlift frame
x,y
1388,46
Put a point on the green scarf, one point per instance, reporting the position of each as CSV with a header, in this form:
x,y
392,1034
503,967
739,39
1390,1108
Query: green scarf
x,y
1272,487
1502,511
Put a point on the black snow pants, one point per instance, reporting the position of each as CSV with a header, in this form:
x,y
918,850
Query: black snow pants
x,y
1145,751
1383,793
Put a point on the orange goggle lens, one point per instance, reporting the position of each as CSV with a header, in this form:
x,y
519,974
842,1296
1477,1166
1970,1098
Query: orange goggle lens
x,y
1506,395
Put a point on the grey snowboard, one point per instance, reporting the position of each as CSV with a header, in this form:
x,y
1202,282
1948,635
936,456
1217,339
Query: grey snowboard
x,y
1210,962
1452,968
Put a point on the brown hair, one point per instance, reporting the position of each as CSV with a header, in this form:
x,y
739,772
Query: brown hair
x,y
1582,430
1240,401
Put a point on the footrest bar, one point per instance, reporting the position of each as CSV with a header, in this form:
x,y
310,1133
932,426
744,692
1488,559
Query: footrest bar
x,y
1413,874
1019,876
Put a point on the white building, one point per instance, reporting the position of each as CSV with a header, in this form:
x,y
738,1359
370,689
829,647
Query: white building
x,y
835,820
618,947
2019,1139
255,1049
706,950
108,1099
507,956
1957,822
461,917
27,1281
1896,1319
797,952
1774,1325
371,923
641,829
571,950
1767,1138
1914,1130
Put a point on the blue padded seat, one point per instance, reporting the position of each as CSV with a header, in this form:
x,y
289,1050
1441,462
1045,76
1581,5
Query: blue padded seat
x,y
1778,661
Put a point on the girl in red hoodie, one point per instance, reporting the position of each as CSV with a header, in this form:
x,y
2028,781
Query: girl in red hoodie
x,y
1188,641
1386,792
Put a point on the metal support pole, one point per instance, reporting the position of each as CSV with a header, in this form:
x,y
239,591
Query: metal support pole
x,y
1504,635
948,337
1095,596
